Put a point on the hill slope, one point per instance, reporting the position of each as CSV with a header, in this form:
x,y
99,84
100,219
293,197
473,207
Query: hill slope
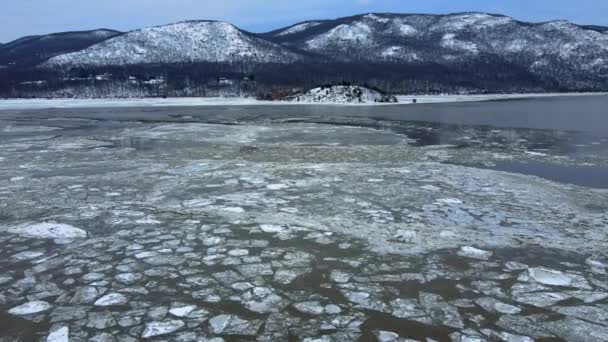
x,y
461,52
33,50
541,48
193,41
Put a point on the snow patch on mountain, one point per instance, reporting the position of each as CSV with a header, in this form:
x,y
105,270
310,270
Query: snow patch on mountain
x,y
449,41
342,94
374,17
198,41
298,28
477,21
400,52
356,32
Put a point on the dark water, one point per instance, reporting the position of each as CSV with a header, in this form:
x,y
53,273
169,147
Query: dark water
x,y
560,126
583,175
586,113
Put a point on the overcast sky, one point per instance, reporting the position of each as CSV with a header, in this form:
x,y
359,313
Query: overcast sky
x,y
26,17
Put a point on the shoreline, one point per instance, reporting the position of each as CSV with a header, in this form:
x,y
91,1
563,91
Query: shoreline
x,y
57,103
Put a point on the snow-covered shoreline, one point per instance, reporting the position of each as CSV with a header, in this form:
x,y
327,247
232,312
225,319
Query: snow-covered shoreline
x,y
13,104
405,99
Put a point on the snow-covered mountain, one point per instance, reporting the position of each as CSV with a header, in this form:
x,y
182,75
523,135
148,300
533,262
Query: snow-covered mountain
x,y
191,41
453,38
382,37
32,50
461,51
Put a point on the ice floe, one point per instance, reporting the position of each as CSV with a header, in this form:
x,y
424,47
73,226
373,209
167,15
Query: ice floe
x,y
474,253
154,329
48,230
59,335
112,299
30,308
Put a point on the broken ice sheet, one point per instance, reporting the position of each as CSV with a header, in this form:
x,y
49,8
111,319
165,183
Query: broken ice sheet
x,y
303,240
234,325
30,308
154,329
551,277
474,253
112,299
49,231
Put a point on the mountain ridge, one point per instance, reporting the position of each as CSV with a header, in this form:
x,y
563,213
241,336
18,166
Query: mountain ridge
x,y
34,49
463,51
185,41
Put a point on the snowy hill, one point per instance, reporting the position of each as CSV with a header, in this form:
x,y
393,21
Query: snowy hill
x,y
451,39
32,50
193,41
461,52
342,94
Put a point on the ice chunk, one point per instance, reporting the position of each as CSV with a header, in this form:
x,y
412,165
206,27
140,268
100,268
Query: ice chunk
x,y
234,210
505,336
5,279
493,305
285,277
59,335
357,297
333,309
474,253
219,323
242,286
154,329
271,228
310,308
27,255
112,299
588,296
515,266
100,320
571,329
449,201
386,336
103,337
238,252
233,325
264,300
406,308
407,236
540,299
339,276
49,231
551,277
588,313
183,311
277,186
128,278
30,308
440,311
86,295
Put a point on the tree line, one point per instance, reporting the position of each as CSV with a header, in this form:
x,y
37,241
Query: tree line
x,y
272,81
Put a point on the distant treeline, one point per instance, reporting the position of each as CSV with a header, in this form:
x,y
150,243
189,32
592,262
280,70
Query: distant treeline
x,y
276,80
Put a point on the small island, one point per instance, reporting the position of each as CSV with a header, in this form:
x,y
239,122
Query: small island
x,y
342,94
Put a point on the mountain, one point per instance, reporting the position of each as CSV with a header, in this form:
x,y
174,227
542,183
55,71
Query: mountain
x,y
33,50
184,42
579,52
398,53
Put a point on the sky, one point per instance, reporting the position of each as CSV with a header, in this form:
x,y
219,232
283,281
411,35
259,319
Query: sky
x,y
27,17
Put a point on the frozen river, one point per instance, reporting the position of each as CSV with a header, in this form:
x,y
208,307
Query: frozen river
x,y
449,222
